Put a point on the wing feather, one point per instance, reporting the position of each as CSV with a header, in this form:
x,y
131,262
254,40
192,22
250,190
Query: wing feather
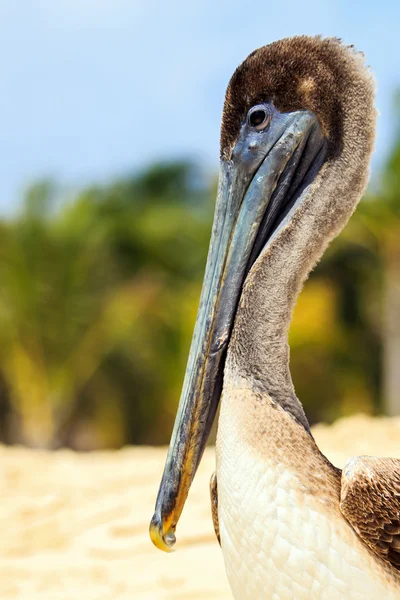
x,y
214,505
370,501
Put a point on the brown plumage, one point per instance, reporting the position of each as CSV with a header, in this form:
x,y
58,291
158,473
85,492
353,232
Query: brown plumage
x,y
281,200
295,74
370,501
330,79
214,505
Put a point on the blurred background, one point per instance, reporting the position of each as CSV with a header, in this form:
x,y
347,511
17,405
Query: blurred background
x,y
109,119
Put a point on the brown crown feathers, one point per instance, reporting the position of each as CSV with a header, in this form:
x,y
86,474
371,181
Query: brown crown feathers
x,y
300,73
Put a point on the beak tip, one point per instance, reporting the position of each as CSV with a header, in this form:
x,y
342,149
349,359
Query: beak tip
x,y
162,541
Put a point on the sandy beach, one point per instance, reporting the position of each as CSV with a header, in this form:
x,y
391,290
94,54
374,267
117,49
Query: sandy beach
x,y
75,525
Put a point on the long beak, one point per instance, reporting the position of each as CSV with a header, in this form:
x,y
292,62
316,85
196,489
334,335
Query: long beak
x,y
260,183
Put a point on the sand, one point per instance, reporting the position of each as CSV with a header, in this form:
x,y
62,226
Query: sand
x,y
74,526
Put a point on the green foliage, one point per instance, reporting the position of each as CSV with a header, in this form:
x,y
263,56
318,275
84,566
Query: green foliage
x,y
95,297
98,297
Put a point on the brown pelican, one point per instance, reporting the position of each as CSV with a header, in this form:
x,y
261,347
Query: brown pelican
x,y
297,136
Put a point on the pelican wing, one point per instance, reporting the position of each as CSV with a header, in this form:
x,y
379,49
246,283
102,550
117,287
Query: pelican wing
x,y
214,505
370,501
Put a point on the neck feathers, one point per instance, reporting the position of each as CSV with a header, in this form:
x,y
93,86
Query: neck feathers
x,y
259,348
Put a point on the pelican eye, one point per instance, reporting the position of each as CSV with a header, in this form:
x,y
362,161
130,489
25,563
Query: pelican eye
x,y
258,118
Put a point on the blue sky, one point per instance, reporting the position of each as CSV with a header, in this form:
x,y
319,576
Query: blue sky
x,y
96,88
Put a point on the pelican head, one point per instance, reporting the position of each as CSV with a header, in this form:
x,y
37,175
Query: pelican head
x,y
297,133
